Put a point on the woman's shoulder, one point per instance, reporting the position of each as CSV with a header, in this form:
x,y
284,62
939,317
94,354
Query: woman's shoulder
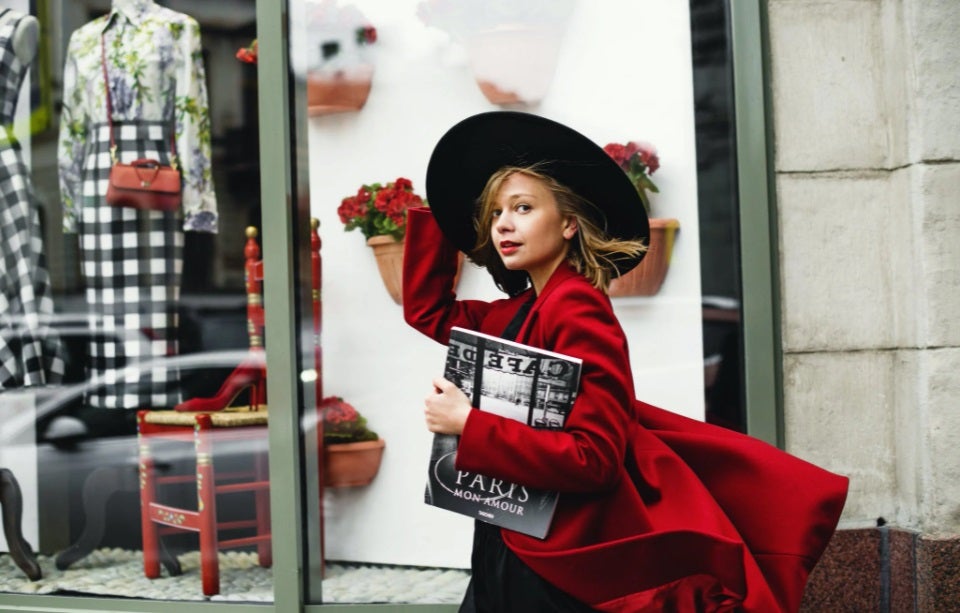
x,y
568,284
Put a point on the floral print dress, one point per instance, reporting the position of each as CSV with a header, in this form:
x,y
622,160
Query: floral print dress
x,y
132,260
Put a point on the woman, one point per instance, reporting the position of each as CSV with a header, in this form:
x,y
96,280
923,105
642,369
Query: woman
x,y
656,512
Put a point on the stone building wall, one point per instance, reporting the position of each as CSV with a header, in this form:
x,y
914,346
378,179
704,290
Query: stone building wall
x,y
866,127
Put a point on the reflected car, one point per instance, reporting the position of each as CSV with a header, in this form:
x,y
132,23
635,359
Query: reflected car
x,y
87,459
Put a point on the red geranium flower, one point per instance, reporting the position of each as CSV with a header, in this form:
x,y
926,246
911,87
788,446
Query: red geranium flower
x,y
342,423
380,209
639,160
366,35
248,54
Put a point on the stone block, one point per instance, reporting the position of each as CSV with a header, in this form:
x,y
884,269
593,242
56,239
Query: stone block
x,y
902,564
940,389
910,435
891,569
935,192
851,559
938,573
839,410
935,96
846,257
837,85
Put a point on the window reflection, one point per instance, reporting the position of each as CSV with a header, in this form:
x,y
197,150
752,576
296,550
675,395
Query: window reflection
x,y
719,213
132,308
372,111
382,81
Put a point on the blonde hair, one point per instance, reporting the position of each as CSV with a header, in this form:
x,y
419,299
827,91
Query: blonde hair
x,y
592,252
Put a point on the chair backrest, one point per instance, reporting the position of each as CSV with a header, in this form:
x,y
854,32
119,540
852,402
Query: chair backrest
x,y
253,278
316,279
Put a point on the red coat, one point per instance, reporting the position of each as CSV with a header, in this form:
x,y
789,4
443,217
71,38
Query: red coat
x,y
657,512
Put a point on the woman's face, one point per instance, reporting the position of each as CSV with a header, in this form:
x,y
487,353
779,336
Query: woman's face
x,y
528,230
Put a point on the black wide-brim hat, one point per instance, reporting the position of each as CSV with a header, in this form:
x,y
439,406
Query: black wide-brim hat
x,y
475,148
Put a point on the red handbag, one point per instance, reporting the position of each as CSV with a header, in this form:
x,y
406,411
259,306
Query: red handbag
x,y
144,184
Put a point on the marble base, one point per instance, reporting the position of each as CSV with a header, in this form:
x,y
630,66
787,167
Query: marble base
x,y
888,570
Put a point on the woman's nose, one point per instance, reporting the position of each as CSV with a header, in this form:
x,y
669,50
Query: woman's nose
x,y
503,222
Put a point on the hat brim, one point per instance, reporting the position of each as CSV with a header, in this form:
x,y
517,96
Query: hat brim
x,y
475,148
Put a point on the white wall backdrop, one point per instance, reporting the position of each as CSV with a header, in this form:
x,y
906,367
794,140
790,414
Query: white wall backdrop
x,y
624,73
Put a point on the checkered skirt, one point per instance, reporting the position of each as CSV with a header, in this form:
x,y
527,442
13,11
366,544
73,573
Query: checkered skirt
x,y
132,263
30,353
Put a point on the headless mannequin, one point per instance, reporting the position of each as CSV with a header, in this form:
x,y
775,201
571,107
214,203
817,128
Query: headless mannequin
x,y
105,481
25,37
133,6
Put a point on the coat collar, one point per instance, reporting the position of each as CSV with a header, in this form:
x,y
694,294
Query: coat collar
x,y
563,272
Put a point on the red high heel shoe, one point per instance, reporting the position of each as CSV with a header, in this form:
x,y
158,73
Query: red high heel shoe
x,y
250,375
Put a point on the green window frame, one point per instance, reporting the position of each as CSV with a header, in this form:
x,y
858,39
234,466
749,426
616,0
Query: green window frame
x,y
285,194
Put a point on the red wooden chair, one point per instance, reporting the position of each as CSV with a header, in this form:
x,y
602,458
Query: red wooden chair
x,y
213,426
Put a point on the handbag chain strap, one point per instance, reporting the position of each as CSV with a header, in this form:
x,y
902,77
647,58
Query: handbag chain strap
x,y
106,90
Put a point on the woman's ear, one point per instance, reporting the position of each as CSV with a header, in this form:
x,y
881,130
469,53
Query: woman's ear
x,y
570,228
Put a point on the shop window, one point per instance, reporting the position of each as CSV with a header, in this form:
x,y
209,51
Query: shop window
x,y
380,85
110,310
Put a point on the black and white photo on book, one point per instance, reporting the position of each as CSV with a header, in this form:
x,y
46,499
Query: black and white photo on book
x,y
516,381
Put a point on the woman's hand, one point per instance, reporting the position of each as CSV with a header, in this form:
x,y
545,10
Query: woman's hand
x,y
447,408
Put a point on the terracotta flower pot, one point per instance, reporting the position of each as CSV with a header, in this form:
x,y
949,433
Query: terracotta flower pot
x,y
340,91
515,63
647,277
351,464
389,253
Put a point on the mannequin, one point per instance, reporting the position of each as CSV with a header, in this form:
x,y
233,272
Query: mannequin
x,y
25,36
29,354
18,37
132,259
135,6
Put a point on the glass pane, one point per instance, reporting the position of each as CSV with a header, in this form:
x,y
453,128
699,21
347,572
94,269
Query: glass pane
x,y
383,81
124,292
719,213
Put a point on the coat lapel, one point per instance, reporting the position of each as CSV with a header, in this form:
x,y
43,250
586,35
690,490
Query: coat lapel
x,y
561,274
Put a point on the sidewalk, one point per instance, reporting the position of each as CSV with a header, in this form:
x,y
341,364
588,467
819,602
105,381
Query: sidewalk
x,y
117,572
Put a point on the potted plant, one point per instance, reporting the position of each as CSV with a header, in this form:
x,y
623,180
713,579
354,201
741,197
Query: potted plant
x,y
512,46
339,71
351,451
380,213
639,160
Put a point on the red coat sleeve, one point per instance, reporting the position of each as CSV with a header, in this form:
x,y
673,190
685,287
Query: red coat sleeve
x,y
575,319
429,268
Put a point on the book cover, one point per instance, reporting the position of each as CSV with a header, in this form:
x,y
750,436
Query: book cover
x,y
524,383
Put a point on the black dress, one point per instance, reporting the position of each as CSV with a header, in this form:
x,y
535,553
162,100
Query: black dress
x,y
500,581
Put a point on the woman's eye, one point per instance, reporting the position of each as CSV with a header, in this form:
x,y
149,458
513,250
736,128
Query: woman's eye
x,y
496,213
523,207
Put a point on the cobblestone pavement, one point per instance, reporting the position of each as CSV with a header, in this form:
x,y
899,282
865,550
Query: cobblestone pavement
x,y
117,572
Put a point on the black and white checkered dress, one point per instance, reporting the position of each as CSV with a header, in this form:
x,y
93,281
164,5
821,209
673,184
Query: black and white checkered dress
x,y
132,263
132,260
30,354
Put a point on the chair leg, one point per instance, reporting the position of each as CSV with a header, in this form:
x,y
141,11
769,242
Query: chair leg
x,y
11,499
150,533
262,503
207,508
